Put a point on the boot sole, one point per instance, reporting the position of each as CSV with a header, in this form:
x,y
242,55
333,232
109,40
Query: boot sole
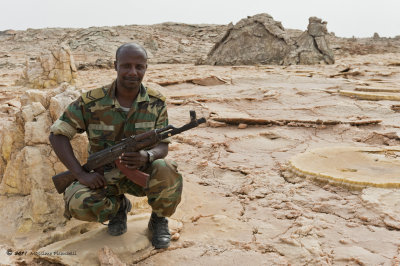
x,y
160,247
117,234
150,236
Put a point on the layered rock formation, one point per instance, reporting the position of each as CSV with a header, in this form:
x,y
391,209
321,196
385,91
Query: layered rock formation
x,y
262,40
95,47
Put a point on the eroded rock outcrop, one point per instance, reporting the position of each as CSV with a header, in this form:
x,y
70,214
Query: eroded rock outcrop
x,y
312,46
29,162
262,40
50,69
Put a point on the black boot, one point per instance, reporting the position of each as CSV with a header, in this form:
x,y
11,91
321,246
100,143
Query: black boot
x,y
158,226
117,225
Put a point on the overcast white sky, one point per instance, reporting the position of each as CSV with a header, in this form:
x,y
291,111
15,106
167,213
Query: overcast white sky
x,y
346,18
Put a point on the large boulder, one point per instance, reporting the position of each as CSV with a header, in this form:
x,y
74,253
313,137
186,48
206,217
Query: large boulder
x,y
262,40
50,69
254,40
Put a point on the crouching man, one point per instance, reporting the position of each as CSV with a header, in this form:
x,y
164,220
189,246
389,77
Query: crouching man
x,y
108,115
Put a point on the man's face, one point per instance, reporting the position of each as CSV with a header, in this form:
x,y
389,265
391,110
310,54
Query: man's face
x,y
131,65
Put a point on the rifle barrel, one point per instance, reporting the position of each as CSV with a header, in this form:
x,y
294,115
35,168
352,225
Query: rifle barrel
x,y
175,131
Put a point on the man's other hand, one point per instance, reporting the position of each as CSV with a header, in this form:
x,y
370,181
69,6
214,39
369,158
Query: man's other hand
x,y
93,180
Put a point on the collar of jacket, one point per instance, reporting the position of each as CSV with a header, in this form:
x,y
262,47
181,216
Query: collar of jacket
x,y
110,98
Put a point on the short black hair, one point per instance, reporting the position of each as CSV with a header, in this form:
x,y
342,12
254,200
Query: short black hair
x,y
132,45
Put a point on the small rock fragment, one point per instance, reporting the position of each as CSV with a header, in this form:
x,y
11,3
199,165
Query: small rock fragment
x,y
175,237
108,258
242,126
212,123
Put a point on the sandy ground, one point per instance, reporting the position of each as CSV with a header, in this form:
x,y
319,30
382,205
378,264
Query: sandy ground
x,y
238,207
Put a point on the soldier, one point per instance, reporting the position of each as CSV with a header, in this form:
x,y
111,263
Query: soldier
x,y
109,114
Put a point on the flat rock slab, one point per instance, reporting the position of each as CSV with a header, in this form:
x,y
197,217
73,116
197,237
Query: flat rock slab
x,y
374,89
373,96
84,249
357,166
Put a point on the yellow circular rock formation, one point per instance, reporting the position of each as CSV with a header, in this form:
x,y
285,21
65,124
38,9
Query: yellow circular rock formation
x,y
350,166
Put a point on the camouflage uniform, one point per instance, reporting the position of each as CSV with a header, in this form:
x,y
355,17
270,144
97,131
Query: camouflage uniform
x,y
99,114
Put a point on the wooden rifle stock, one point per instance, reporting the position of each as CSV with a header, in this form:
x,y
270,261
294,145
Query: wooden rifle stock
x,y
63,180
133,143
136,176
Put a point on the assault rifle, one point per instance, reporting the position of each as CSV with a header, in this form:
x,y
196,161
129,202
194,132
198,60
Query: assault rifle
x,y
130,144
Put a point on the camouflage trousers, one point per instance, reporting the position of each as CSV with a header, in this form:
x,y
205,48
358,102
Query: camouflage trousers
x,y
163,193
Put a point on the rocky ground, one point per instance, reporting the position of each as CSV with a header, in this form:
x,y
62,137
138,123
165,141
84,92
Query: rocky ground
x,y
242,203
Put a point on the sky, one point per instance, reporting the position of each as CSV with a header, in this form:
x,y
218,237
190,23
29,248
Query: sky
x,y
346,18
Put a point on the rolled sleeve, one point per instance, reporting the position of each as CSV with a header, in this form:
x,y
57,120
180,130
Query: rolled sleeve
x,y
63,128
71,121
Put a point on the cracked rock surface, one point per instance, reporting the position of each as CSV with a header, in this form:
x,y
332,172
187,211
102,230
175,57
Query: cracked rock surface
x,y
239,206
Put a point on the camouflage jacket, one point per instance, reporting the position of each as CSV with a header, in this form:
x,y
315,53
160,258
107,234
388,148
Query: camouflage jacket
x,y
99,113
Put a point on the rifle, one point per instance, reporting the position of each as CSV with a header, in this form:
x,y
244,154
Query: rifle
x,y
131,144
